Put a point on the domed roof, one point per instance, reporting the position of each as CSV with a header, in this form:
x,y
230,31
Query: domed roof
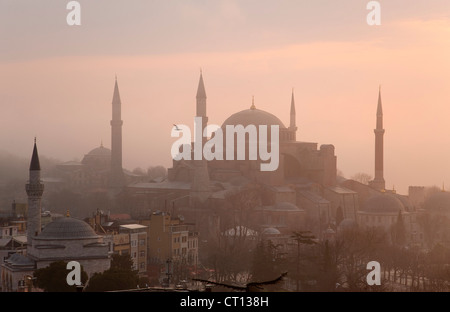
x,y
253,116
100,151
383,203
271,231
439,201
67,228
286,206
347,224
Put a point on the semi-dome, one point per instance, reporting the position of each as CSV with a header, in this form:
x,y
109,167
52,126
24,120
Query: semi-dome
x,y
67,228
438,202
253,116
405,201
383,203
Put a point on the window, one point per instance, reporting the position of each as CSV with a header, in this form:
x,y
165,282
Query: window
x,y
142,253
184,239
183,251
133,243
141,242
142,265
134,255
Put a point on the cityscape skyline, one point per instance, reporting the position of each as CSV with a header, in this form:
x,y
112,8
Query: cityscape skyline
x,y
326,52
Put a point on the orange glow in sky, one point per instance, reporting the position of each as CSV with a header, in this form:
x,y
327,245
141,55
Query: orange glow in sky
x,y
56,81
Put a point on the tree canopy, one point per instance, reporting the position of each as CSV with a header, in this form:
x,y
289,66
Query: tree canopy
x,y
120,276
53,278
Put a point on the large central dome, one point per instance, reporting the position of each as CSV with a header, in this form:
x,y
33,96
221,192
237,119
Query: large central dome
x,y
253,116
67,228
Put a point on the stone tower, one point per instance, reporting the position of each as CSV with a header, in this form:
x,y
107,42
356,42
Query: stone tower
x,y
34,189
292,124
200,183
117,180
378,182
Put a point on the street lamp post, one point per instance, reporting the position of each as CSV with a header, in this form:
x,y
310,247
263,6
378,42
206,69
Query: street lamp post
x,y
169,270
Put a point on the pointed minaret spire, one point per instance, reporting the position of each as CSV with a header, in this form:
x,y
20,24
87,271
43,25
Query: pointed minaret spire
x,y
34,189
378,182
116,103
35,164
379,110
116,175
292,124
201,93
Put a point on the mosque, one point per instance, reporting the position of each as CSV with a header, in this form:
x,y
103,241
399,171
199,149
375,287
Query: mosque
x,y
101,168
302,193
66,239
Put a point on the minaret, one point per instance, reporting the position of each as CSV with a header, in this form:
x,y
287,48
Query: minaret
x,y
200,180
378,182
117,178
201,104
34,189
292,125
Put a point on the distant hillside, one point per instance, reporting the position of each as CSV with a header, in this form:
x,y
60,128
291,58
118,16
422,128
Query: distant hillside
x,y
13,167
14,175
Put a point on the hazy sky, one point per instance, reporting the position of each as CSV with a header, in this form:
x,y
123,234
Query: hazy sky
x,y
56,81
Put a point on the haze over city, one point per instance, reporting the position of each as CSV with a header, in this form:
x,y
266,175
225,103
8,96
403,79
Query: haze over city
x,y
56,81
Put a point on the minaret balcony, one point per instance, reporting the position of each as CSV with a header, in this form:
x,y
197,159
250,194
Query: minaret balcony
x,y
35,190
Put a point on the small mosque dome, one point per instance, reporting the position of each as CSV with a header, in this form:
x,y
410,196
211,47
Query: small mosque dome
x,y
438,202
67,228
99,158
347,224
100,151
382,204
253,116
271,231
286,206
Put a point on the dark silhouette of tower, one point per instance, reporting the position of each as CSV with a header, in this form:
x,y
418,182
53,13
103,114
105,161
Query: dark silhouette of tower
x,y
200,184
34,189
117,177
378,182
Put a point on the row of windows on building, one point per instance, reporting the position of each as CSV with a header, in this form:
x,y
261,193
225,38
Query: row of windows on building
x,y
177,239
141,243
177,251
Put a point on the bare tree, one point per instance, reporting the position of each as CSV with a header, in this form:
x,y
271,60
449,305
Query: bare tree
x,y
362,177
